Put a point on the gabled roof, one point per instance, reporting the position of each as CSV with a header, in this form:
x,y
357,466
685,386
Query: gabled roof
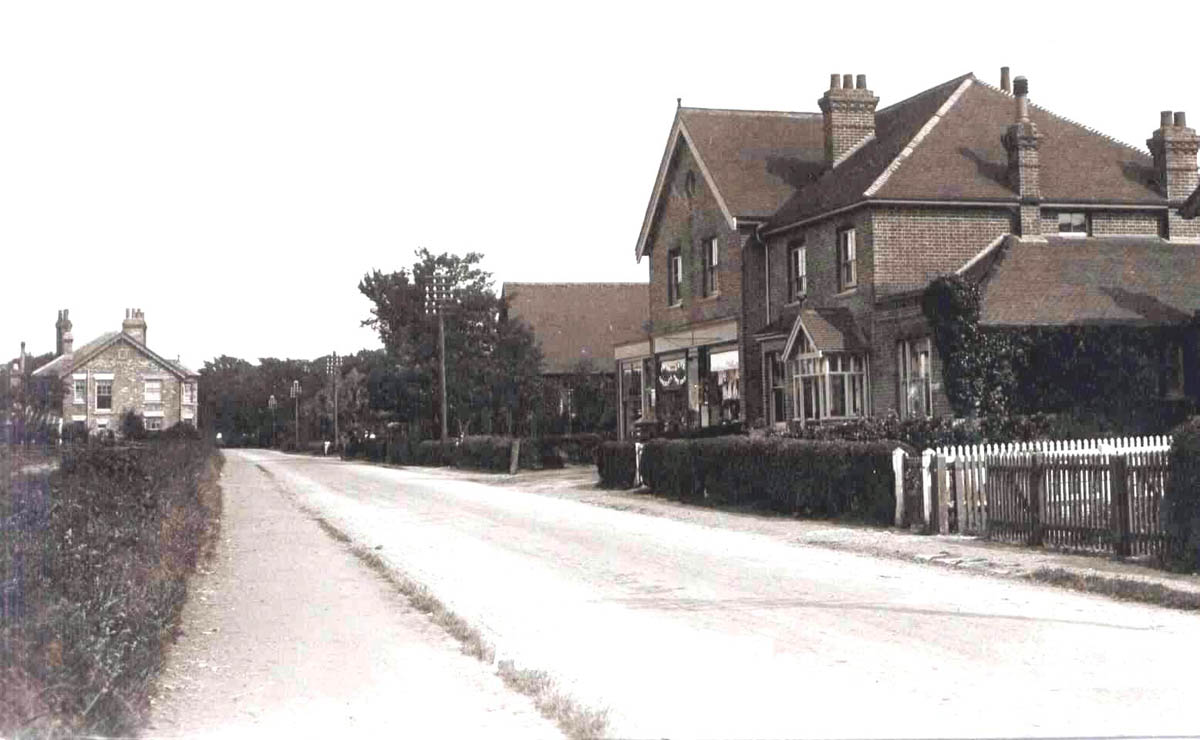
x,y
1140,281
63,365
828,329
752,160
945,144
579,321
1191,206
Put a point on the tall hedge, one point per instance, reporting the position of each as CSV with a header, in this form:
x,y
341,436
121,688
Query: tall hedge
x,y
1181,503
813,478
616,462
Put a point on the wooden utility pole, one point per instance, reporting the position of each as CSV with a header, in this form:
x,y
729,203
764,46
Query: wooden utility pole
x,y
437,295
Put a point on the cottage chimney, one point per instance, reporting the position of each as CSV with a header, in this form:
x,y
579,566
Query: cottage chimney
x,y
62,327
1174,148
22,367
135,324
849,109
1021,141
1005,83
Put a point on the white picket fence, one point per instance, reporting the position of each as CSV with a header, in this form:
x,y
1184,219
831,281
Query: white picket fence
x,y
1108,445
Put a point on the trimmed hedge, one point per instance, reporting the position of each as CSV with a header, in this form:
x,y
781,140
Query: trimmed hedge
x,y
813,478
617,464
1181,502
493,453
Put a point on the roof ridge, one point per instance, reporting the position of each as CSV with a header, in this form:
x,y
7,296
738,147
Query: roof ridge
x,y
929,90
1071,121
572,282
754,112
934,120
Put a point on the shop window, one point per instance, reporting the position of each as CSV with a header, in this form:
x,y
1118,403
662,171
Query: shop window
x,y
723,396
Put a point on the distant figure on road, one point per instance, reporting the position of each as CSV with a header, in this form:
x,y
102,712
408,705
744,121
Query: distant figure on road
x,y
326,448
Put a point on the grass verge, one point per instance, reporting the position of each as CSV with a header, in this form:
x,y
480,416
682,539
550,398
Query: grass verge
x,y
575,720
1123,589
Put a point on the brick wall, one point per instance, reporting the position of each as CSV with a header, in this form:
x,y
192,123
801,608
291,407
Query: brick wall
x,y
1182,229
130,369
1122,223
912,246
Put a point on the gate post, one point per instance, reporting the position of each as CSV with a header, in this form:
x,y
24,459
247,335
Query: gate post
x,y
960,504
926,492
1120,504
943,497
898,472
1036,535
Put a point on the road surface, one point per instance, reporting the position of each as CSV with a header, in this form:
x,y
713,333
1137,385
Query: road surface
x,y
689,631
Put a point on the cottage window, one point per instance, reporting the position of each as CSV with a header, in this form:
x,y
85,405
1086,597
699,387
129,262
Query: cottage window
x,y
104,394
916,387
797,272
153,391
777,375
830,385
710,266
80,391
847,264
1072,223
154,423
189,393
674,277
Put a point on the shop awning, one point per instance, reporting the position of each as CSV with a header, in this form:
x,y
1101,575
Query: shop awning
x,y
824,330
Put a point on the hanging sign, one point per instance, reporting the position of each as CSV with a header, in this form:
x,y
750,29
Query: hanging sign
x,y
672,373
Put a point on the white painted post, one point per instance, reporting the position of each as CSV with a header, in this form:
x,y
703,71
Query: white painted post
x,y
926,488
637,451
898,471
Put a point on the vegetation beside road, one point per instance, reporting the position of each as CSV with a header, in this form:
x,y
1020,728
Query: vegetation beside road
x,y
95,558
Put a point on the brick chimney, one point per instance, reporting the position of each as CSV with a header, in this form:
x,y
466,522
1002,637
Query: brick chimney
x,y
849,109
1021,141
1174,147
135,324
62,330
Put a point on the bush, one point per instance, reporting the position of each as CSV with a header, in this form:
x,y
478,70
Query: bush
x,y
1181,502
179,431
616,463
485,453
96,558
434,453
814,478
575,448
132,426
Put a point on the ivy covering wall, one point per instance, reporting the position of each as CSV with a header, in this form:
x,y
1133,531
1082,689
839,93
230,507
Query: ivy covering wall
x,y
1118,373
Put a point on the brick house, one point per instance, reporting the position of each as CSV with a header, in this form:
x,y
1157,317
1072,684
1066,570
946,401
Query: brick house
x,y
115,373
788,251
576,344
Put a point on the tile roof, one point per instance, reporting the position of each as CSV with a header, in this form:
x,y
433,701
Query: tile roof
x,y
61,367
831,330
1191,207
925,152
756,158
578,321
1108,280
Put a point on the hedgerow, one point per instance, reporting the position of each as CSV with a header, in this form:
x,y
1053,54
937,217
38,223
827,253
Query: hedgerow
x,y
1181,502
616,463
95,559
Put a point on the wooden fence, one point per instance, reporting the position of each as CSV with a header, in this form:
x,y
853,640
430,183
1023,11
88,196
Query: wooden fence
x,y
1098,495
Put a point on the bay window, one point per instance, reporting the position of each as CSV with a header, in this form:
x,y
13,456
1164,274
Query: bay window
x,y
830,385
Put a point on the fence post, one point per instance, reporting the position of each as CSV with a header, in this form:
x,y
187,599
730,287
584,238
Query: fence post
x,y
960,483
898,472
943,497
926,491
637,463
1036,535
1120,504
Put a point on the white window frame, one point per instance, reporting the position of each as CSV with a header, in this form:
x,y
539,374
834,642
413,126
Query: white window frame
x,y
674,277
821,369
76,383
1071,231
920,382
147,396
847,253
797,267
111,392
189,393
711,262
153,423
777,382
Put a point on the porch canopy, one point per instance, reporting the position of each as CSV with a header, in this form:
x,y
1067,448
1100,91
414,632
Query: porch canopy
x,y
824,330
1063,281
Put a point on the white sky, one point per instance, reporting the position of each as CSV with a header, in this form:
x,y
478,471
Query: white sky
x,y
234,168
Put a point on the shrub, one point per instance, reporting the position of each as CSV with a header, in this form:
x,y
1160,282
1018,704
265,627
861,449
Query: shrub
x,y
814,478
575,448
132,426
1181,502
616,462
180,430
434,453
485,453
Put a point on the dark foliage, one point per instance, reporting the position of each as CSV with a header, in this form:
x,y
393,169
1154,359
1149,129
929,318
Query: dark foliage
x,y
616,463
1181,503
133,427
812,478
95,559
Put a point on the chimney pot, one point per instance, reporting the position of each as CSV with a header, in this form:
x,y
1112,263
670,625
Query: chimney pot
x,y
1020,87
1165,118
835,82
860,82
1180,118
1005,80
848,81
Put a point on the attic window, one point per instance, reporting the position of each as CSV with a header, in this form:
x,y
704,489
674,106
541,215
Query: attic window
x,y
1072,223
689,183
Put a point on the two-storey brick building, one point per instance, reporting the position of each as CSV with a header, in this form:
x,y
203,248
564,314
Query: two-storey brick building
x,y
788,251
115,373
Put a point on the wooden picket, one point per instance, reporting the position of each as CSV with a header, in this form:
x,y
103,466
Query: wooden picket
x,y
1098,495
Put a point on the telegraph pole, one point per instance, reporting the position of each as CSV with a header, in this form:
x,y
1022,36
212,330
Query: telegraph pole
x,y
272,404
296,395
334,365
436,297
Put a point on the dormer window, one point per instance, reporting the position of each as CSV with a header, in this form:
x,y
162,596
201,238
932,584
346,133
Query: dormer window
x,y
1072,223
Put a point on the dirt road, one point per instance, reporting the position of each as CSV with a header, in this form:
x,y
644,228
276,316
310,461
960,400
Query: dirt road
x,y
290,635
689,631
